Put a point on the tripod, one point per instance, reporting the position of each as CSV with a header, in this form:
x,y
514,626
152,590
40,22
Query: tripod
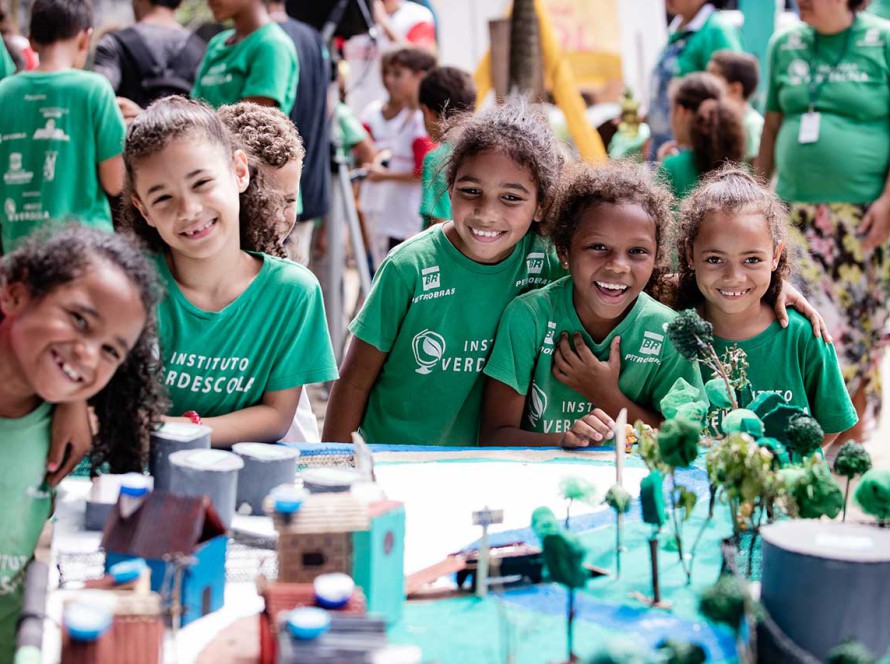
x,y
342,214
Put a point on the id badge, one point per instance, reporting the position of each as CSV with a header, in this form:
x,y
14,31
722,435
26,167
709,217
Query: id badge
x,y
809,127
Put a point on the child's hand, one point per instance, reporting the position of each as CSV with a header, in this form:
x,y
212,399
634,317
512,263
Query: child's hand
x,y
579,368
592,429
71,440
377,173
789,296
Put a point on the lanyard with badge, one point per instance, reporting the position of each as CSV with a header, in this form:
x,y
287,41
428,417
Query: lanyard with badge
x,y
809,121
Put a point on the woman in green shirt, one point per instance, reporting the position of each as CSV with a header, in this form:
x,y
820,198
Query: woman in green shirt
x,y
827,137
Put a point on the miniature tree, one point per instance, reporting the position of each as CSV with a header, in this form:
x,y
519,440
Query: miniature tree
x,y
743,472
619,500
564,557
727,602
652,503
674,651
814,491
852,460
873,494
693,338
850,652
678,447
804,437
574,488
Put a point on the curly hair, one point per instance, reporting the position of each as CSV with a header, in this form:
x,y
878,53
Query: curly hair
x,y
173,118
265,133
584,186
716,130
134,400
271,141
730,190
514,130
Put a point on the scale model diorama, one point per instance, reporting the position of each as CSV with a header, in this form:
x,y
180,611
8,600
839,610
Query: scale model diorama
x,y
750,496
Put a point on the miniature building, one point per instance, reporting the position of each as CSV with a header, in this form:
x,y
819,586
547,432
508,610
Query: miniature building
x,y
335,532
282,597
136,635
182,533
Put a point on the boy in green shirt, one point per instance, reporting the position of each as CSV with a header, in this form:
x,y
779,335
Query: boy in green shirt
x,y
255,61
444,92
61,134
740,72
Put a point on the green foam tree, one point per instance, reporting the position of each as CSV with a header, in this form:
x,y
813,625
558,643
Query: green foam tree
x,y
850,652
873,494
804,436
815,492
575,488
564,557
852,460
725,602
674,651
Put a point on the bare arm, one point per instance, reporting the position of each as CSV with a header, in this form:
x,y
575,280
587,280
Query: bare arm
x,y
267,422
365,151
765,162
111,175
349,395
71,439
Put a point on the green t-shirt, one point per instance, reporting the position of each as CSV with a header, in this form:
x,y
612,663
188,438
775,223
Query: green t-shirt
x,y
848,163
27,501
435,312
435,202
7,65
530,330
272,337
753,122
263,64
55,129
681,173
801,368
879,8
717,33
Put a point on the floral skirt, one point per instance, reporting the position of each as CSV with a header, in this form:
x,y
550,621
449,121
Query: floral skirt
x,y
849,288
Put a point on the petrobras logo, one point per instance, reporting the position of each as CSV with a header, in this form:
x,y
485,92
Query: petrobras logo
x,y
430,278
798,72
428,348
537,404
534,262
652,343
793,43
551,330
872,37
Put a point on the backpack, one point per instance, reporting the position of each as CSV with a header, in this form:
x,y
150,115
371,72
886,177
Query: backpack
x,y
148,80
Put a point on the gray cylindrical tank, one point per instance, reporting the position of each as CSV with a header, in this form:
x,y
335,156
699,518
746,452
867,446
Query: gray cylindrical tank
x,y
825,582
169,438
212,473
265,467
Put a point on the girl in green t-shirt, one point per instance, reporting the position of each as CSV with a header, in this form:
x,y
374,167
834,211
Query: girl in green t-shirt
x,y
568,357
733,258
241,330
708,132
413,372
77,325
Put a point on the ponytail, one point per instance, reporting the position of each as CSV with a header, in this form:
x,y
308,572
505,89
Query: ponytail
x,y
717,135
